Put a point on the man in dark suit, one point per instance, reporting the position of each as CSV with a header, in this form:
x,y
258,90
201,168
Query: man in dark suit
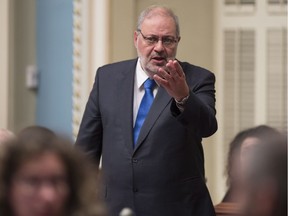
x,y
155,169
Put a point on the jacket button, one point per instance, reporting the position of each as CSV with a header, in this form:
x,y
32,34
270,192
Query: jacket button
x,y
135,190
134,160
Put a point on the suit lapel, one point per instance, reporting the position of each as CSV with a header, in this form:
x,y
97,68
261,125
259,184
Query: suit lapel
x,y
125,104
161,100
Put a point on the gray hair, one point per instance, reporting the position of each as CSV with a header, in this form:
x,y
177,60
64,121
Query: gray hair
x,y
165,11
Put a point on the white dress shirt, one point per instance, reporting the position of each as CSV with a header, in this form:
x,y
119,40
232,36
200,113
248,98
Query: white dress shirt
x,y
140,78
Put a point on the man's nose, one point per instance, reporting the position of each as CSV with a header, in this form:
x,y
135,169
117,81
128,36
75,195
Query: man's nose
x,y
159,46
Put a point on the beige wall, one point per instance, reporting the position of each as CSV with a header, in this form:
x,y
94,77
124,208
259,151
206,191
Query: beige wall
x,y
122,26
5,66
24,54
17,45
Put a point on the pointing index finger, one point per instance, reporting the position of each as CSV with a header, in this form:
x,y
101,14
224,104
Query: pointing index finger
x,y
178,68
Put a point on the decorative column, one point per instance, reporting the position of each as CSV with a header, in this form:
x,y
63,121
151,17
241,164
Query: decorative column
x,y
90,50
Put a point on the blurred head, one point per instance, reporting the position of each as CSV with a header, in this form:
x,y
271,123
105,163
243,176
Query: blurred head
x,y
41,177
240,148
5,135
265,179
39,186
36,134
156,38
256,136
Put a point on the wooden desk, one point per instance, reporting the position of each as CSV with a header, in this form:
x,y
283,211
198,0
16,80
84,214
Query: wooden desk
x,y
227,209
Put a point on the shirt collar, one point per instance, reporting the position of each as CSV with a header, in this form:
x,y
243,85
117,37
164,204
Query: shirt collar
x,y
141,75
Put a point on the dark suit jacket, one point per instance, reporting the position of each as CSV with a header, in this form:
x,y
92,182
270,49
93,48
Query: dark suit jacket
x,y
164,174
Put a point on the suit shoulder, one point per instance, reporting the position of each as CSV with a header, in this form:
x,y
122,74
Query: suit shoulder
x,y
190,68
118,65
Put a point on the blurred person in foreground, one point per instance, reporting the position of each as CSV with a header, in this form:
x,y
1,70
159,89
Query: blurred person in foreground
x,y
265,179
5,135
152,154
239,149
36,133
44,175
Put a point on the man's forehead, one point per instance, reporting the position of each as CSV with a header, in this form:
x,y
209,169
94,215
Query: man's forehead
x,y
157,23
158,14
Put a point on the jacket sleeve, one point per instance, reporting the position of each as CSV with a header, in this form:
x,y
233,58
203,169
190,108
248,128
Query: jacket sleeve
x,y
89,138
199,114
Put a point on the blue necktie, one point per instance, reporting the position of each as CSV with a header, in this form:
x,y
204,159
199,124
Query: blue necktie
x,y
144,107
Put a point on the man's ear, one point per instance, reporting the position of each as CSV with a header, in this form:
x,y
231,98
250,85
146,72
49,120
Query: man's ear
x,y
135,38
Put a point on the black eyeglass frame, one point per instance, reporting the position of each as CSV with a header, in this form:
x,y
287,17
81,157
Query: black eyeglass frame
x,y
167,41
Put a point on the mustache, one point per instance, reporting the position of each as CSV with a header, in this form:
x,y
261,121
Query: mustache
x,y
158,56
162,56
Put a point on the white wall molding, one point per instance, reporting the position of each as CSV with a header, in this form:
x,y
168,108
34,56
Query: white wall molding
x,y
6,37
90,50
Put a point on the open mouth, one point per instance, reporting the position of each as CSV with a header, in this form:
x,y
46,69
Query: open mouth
x,y
159,59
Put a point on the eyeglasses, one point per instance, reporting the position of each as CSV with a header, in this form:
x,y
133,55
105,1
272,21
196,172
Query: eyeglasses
x,y
167,41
